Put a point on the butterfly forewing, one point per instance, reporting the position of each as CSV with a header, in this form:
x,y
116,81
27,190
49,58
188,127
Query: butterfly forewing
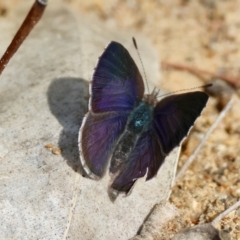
x,y
174,116
117,84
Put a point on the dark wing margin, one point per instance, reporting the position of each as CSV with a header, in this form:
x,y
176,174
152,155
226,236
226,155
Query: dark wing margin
x,y
117,84
175,115
97,138
147,157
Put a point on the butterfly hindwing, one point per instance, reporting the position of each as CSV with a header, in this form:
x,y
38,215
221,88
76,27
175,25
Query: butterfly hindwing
x,y
97,139
146,156
174,116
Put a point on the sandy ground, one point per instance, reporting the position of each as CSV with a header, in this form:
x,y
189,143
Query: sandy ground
x,y
202,34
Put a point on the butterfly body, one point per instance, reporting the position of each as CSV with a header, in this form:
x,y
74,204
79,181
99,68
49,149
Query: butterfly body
x,y
135,132
139,121
141,118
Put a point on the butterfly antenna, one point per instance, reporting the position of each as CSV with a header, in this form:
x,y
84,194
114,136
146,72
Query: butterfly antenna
x,y
135,45
187,89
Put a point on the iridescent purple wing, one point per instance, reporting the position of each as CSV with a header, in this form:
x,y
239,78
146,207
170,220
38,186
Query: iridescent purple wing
x,y
146,155
97,139
175,115
117,84
116,89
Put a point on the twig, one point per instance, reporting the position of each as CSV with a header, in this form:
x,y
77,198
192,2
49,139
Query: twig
x,y
231,80
30,21
225,213
196,151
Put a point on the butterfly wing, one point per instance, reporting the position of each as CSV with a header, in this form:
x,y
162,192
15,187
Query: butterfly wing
x,y
147,155
97,138
174,116
116,89
117,84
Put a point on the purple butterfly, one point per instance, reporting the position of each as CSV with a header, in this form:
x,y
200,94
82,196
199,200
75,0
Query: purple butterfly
x,y
134,130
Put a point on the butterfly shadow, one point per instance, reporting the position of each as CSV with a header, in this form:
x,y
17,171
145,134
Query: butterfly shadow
x,y
68,102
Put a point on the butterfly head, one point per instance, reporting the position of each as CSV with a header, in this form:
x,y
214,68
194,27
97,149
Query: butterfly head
x,y
151,98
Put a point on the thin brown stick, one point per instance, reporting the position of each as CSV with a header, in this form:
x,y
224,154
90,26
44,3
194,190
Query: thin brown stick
x,y
30,21
231,80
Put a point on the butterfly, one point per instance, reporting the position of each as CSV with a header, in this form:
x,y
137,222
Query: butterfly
x,y
135,132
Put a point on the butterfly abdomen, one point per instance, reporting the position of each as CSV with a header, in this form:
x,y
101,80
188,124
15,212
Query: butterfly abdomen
x,y
139,121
